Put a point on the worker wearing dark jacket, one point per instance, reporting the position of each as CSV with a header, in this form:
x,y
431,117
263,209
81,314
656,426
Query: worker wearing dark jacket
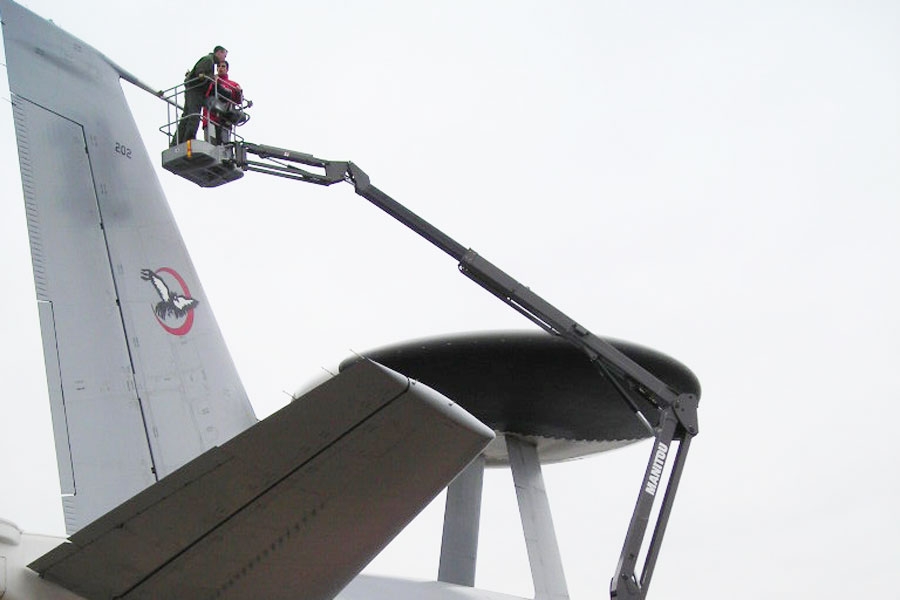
x,y
196,81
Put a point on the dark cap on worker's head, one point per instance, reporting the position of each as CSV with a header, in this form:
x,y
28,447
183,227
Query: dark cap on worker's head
x,y
217,48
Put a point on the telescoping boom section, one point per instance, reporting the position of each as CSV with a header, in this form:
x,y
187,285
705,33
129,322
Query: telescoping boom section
x,y
671,416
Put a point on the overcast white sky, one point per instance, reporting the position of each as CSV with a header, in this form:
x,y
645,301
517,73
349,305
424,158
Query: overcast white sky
x,y
715,180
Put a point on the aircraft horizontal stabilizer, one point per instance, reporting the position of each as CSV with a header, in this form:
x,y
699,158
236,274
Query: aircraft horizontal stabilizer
x,y
293,507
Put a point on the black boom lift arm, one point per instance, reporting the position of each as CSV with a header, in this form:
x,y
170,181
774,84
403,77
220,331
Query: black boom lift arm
x,y
677,413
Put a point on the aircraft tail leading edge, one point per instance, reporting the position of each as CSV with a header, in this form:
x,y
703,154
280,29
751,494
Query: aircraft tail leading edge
x,y
139,377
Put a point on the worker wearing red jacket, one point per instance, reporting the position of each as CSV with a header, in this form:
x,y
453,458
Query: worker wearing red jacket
x,y
224,96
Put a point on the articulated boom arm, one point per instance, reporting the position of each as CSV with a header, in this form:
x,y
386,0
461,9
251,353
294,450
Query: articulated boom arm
x,y
677,413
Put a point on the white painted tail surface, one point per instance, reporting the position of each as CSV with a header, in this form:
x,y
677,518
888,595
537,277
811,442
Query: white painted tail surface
x,y
140,380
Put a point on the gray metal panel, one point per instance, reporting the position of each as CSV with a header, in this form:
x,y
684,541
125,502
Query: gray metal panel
x,y
84,347
98,220
57,403
292,508
537,522
372,587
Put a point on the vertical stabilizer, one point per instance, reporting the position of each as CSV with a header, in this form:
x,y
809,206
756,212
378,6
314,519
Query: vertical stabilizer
x,y
139,377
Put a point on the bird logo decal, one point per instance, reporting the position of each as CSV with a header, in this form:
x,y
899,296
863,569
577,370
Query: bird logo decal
x,y
174,311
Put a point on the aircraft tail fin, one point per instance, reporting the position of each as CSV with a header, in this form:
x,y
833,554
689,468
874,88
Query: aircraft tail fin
x,y
139,377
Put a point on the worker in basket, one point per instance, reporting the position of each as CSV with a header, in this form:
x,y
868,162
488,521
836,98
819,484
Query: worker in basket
x,y
222,110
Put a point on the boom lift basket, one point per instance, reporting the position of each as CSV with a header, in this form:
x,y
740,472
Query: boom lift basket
x,y
204,161
205,164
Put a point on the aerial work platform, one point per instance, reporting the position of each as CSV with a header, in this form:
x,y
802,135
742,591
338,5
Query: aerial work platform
x,y
208,162
203,163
